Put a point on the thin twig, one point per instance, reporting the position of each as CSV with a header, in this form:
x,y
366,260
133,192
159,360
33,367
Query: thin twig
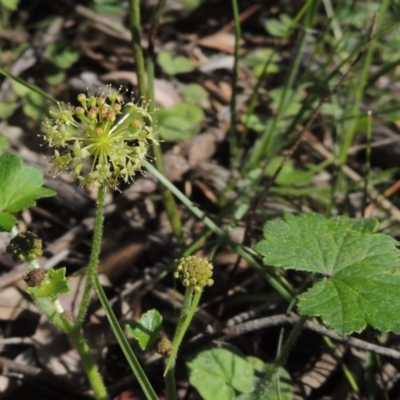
x,y
291,319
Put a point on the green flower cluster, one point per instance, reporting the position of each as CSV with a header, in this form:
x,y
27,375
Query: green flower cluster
x,y
115,142
195,271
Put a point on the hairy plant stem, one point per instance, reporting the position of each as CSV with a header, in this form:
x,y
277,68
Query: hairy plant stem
x,y
94,256
170,384
75,334
135,25
190,304
92,372
280,359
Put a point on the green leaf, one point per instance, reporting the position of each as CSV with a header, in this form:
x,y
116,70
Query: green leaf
x,y
180,122
279,27
10,5
20,89
4,143
258,58
289,175
147,329
20,186
35,106
7,109
56,78
54,284
293,101
217,373
107,7
7,221
280,389
359,269
174,65
194,94
62,54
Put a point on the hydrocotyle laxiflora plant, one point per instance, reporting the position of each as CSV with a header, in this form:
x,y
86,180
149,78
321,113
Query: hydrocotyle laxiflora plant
x,y
195,274
101,142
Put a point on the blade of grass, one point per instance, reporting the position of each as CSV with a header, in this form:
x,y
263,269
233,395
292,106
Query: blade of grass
x,y
28,85
260,151
124,344
347,135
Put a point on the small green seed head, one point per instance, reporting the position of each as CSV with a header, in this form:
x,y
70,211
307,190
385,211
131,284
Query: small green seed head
x,y
25,246
164,347
194,271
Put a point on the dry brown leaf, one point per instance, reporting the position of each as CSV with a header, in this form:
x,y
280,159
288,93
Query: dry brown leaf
x,y
222,41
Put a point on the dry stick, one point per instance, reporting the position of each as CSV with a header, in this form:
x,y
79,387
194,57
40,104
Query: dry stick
x,y
41,377
387,193
104,24
306,128
291,319
242,17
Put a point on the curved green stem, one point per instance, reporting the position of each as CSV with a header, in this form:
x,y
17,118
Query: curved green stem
x,y
94,256
92,372
80,344
189,308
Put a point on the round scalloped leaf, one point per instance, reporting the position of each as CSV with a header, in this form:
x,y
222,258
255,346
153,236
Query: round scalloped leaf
x,y
217,373
147,329
359,269
54,284
20,186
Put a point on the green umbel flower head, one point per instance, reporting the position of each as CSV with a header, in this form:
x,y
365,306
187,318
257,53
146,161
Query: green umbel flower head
x,y
195,271
114,142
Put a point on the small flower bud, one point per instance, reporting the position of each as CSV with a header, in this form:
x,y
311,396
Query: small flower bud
x,y
110,116
35,277
92,101
100,101
92,114
25,246
116,107
82,99
79,112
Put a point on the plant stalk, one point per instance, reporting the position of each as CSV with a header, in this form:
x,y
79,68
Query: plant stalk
x,y
94,256
92,372
189,308
135,25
